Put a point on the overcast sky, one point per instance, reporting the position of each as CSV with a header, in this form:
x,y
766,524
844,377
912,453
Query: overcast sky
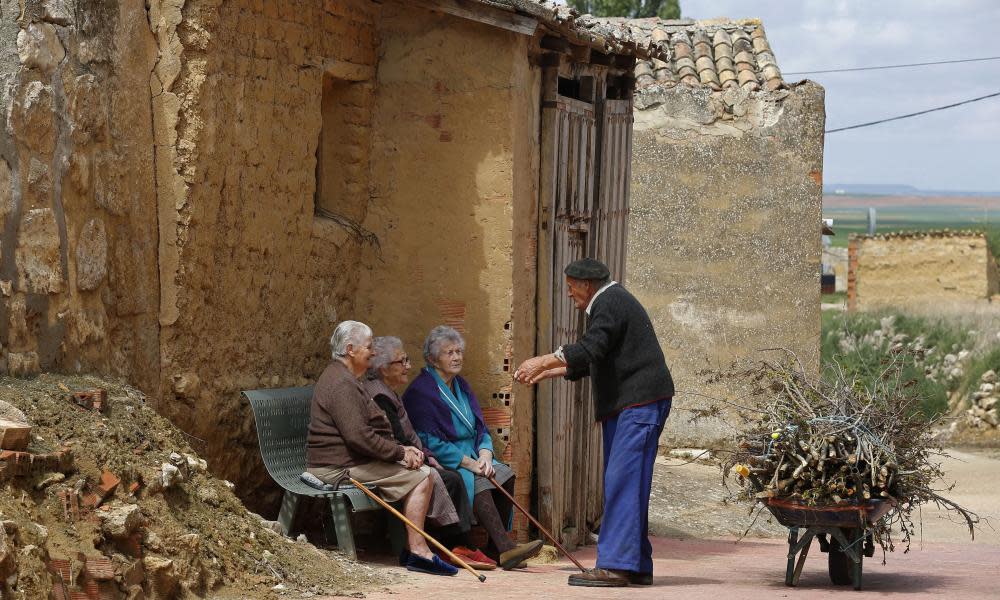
x,y
955,149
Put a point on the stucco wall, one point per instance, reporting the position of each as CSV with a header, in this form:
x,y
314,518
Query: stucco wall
x,y
77,198
911,270
724,250
252,282
455,122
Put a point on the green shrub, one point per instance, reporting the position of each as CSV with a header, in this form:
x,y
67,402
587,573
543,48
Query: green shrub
x,y
859,345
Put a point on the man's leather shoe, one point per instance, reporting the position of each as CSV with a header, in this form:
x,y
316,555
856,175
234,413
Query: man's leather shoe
x,y
520,553
598,578
634,577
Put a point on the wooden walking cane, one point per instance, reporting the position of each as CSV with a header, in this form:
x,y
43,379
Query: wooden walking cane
x,y
410,524
537,524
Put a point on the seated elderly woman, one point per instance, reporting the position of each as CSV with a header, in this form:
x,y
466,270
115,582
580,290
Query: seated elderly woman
x,y
350,436
448,420
450,509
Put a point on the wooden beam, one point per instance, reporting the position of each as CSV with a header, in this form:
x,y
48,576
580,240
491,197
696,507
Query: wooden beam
x,y
581,54
480,13
556,44
605,60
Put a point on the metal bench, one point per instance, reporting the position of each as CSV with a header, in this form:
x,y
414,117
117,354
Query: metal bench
x,y
282,418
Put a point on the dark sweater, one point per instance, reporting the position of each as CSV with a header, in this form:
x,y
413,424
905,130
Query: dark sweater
x,y
621,354
346,427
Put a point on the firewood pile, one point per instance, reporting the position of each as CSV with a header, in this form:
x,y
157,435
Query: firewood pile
x,y
830,444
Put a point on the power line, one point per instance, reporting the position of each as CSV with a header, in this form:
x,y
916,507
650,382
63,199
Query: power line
x,y
907,116
920,64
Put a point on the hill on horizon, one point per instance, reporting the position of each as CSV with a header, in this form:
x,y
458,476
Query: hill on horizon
x,y
896,189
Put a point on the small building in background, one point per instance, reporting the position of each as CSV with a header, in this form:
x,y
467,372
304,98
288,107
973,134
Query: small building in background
x,y
909,269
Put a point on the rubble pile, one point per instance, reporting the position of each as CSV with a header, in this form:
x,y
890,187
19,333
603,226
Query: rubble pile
x,y
824,444
102,498
985,403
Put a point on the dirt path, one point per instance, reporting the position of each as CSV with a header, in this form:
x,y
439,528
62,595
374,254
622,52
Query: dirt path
x,y
696,555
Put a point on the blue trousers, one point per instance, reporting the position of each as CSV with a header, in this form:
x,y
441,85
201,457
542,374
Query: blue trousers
x,y
631,439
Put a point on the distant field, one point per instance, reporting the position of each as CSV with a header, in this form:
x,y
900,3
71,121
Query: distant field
x,y
907,213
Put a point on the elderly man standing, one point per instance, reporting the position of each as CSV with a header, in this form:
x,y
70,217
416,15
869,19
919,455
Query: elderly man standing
x,y
350,436
632,394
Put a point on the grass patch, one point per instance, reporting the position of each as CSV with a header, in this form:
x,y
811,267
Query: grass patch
x,y
861,344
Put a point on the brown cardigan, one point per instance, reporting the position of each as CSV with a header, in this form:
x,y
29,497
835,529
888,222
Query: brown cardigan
x,y
346,427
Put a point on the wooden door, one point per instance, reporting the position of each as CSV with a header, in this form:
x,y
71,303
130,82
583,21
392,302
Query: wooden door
x,y
584,206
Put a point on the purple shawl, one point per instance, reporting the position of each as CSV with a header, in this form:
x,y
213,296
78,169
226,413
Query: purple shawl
x,y
430,414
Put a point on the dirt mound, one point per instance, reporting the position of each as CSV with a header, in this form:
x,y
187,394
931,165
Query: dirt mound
x,y
109,500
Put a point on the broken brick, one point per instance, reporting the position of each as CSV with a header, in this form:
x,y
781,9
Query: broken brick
x,y
63,568
98,568
96,399
105,487
71,504
14,435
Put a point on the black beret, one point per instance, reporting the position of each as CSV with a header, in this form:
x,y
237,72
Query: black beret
x,y
587,268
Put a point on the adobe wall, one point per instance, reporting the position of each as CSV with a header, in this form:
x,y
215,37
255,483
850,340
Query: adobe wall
x,y
724,250
453,200
918,269
77,198
252,282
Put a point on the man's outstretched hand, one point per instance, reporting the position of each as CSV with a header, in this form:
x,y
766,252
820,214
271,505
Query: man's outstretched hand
x,y
539,368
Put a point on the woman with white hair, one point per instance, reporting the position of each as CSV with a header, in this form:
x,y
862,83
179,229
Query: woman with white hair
x,y
450,512
350,436
446,414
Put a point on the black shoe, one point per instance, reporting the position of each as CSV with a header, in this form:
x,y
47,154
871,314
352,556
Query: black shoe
x,y
404,556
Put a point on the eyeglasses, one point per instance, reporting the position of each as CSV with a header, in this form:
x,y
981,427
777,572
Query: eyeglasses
x,y
403,361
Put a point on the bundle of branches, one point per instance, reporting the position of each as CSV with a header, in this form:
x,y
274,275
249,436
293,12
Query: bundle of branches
x,y
836,442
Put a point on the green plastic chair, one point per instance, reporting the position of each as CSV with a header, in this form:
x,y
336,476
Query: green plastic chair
x,y
282,418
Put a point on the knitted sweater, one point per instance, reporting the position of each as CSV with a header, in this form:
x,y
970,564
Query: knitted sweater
x,y
621,354
346,427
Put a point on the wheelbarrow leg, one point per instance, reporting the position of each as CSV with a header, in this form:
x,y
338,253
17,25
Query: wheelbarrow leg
x,y
802,561
793,537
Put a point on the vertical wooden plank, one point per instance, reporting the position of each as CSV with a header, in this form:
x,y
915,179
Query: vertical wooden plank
x,y
626,199
549,166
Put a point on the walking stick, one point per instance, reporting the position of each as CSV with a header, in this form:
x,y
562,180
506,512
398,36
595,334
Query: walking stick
x,y
537,524
410,524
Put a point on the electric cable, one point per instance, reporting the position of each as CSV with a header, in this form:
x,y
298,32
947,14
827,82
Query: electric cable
x,y
920,64
907,116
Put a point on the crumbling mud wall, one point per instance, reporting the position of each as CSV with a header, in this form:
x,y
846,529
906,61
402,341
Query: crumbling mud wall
x,y
77,198
920,268
253,279
724,250
453,202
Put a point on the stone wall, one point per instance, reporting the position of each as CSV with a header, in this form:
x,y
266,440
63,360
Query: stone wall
x,y
77,198
909,270
252,279
724,247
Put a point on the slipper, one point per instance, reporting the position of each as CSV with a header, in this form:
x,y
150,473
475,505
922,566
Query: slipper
x,y
432,566
474,558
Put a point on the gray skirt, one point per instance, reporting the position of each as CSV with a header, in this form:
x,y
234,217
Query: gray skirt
x,y
503,475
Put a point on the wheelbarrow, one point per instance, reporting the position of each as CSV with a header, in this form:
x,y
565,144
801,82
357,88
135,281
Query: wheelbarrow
x,y
843,532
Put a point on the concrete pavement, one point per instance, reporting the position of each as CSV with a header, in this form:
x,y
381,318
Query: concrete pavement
x,y
722,569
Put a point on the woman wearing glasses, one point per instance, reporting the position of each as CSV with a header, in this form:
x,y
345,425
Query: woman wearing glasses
x,y
450,512
447,417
